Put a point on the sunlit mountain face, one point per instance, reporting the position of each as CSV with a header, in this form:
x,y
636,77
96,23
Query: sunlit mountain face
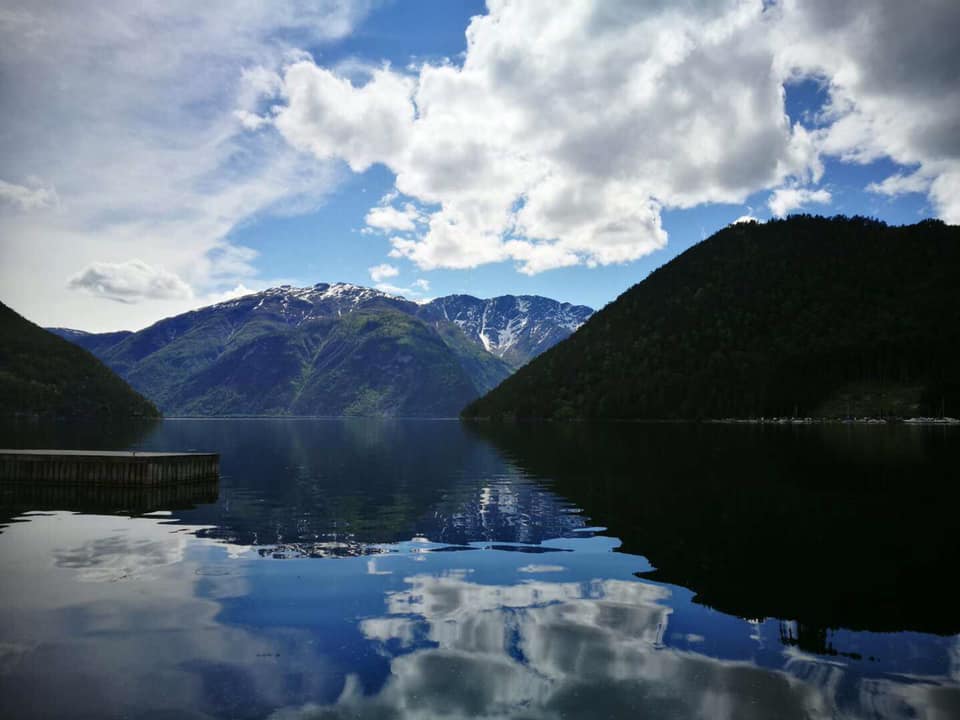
x,y
333,349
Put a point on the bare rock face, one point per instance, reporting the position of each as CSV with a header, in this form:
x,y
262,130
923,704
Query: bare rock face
x,y
514,328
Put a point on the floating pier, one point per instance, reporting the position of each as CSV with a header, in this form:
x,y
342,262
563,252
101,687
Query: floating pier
x,y
108,468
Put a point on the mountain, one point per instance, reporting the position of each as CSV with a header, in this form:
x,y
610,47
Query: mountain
x,y
42,374
94,342
514,328
321,350
803,316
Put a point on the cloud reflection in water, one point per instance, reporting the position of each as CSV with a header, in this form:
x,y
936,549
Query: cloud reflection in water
x,y
544,650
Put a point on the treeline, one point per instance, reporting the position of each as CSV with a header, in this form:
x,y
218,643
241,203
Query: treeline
x,y
762,320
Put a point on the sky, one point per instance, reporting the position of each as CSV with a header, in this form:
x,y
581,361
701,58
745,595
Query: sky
x,y
161,156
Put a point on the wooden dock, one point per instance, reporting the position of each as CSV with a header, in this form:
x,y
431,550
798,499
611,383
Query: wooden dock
x,y
108,468
104,499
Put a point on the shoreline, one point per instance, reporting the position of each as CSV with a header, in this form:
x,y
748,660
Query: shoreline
x,y
836,421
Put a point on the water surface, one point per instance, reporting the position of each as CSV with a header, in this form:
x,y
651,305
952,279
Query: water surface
x,y
361,568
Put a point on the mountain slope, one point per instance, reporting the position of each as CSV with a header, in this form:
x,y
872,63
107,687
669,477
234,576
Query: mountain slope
x,y
514,328
43,374
94,342
366,363
322,350
801,316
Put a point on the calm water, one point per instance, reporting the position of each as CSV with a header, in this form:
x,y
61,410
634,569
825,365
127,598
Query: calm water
x,y
382,569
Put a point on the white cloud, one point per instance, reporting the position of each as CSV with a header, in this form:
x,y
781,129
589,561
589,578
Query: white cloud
x,y
558,140
235,292
382,272
415,290
745,219
893,92
534,568
386,217
900,184
784,200
130,282
25,197
945,193
136,115
330,117
249,120
562,136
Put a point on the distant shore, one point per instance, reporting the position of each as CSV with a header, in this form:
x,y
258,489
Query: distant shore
x,y
838,421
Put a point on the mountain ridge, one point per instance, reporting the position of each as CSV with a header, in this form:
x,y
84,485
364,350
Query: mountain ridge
x,y
325,349
502,324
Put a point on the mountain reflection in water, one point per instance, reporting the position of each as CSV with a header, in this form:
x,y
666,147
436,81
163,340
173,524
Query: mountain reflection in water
x,y
357,568
835,525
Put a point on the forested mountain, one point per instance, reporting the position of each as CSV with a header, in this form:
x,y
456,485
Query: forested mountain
x,y
42,374
803,316
322,350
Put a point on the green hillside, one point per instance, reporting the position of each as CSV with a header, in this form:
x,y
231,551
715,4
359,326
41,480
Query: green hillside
x,y
326,350
367,363
42,374
804,316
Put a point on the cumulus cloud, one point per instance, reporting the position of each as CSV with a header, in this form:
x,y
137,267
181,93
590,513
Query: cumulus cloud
x,y
332,118
784,200
562,136
379,273
415,290
386,218
130,282
239,290
557,139
25,197
900,184
249,120
745,219
945,193
892,89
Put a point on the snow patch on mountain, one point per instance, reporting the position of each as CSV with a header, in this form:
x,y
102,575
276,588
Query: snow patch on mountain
x,y
514,328
300,304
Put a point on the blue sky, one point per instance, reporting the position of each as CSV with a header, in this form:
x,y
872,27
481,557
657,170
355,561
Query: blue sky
x,y
176,156
400,33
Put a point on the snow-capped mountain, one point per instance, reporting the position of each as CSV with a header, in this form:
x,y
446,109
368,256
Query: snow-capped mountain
x,y
332,349
299,304
515,328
